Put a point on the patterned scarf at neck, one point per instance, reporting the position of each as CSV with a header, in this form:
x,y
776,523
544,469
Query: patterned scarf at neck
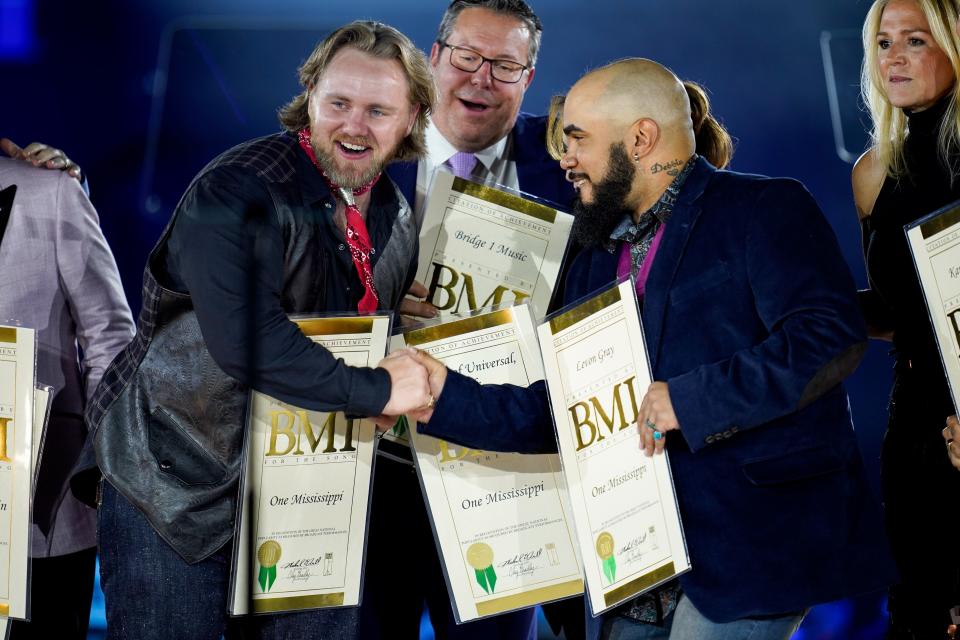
x,y
358,238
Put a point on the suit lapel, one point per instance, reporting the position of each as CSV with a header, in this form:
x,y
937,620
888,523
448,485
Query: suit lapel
x,y
685,213
539,180
602,272
539,175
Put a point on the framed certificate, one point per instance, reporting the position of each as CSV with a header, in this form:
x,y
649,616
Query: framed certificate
x,y
18,353
935,245
501,520
482,247
305,489
624,506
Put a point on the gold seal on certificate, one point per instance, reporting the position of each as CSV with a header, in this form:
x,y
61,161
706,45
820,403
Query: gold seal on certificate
x,y
483,247
609,561
597,370
935,244
480,557
305,488
18,352
501,520
268,555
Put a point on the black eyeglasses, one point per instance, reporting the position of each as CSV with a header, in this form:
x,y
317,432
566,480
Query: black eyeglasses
x,y
469,60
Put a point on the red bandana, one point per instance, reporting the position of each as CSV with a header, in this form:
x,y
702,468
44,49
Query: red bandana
x,y
358,238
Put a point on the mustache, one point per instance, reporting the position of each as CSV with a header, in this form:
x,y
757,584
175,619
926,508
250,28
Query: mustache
x,y
360,141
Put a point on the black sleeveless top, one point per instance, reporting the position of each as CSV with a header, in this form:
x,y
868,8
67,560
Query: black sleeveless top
x,y
898,302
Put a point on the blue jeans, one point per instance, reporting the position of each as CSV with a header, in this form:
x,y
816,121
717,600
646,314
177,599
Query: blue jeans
x,y
686,623
152,594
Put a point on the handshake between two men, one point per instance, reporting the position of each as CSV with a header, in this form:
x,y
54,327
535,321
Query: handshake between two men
x,y
416,381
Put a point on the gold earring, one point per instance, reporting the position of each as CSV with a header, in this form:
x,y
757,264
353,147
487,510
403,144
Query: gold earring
x,y
636,157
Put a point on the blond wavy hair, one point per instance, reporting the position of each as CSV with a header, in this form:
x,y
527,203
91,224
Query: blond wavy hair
x,y
890,123
381,41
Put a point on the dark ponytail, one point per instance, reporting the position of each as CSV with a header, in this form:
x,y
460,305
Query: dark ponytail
x,y
713,141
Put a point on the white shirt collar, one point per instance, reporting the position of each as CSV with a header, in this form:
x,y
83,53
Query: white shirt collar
x,y
439,150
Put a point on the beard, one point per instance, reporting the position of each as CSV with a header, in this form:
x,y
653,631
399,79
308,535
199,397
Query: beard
x,y
348,177
593,222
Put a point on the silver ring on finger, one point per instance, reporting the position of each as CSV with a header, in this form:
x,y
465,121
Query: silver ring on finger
x,y
653,427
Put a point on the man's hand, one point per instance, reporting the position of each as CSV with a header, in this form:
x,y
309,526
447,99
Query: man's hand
x,y
417,308
409,387
951,434
437,377
656,417
41,155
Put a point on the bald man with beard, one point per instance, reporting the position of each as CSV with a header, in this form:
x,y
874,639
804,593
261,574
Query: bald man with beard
x,y
752,324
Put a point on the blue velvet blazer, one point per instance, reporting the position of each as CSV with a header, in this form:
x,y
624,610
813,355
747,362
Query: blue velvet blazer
x,y
751,318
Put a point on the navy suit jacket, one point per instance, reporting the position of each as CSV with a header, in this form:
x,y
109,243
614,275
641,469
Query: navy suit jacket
x,y
751,318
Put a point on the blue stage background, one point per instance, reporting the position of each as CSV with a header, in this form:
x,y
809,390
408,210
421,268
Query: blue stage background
x,y
142,94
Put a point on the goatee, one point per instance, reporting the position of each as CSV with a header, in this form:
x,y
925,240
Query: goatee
x,y
594,222
350,180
